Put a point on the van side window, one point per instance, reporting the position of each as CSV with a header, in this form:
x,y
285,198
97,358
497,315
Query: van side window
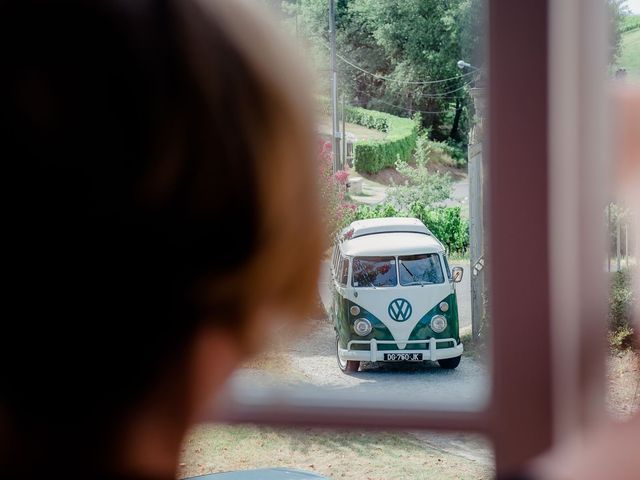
x,y
344,272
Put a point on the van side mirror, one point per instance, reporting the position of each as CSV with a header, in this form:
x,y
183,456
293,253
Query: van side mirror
x,y
456,274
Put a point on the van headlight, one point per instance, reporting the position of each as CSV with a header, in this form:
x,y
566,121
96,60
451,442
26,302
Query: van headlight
x,y
362,326
438,324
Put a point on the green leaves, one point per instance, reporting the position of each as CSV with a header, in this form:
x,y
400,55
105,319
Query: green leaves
x,y
422,186
446,223
409,42
621,305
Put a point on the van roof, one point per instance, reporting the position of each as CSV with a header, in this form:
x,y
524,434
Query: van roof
x,y
371,226
390,244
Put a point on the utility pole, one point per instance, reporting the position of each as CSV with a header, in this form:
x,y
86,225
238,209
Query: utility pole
x,y
626,245
609,237
343,163
334,87
477,214
618,253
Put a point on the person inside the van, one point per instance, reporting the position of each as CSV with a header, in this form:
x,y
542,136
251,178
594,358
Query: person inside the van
x,y
158,155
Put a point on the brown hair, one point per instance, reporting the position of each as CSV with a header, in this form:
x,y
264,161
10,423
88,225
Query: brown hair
x,y
161,175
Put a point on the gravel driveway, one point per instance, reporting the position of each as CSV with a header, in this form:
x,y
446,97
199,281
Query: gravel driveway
x,y
314,358
311,360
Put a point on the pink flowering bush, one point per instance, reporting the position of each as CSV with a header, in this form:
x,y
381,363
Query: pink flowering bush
x,y
339,211
342,177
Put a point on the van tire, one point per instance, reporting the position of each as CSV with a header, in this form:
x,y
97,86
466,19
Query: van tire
x,y
348,366
450,363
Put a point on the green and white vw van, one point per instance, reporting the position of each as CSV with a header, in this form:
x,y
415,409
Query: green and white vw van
x,y
394,296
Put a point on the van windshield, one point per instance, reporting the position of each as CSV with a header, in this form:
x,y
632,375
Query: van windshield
x,y
374,272
420,269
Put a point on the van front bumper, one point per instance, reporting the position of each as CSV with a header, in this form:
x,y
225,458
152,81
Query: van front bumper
x,y
374,355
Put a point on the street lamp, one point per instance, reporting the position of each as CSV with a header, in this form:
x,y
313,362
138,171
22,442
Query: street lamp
x,y
462,65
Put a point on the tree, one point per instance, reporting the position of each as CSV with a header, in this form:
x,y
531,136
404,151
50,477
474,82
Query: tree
x,y
616,10
404,41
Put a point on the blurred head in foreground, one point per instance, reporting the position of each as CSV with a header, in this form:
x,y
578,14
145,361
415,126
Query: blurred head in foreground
x,y
160,217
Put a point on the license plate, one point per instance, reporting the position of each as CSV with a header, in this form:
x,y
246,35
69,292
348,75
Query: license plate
x,y
403,357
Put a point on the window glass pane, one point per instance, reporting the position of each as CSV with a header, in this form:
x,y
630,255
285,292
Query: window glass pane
x,y
622,215
420,269
428,177
374,272
344,274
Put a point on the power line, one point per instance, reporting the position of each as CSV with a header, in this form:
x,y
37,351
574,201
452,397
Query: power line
x,y
444,94
408,109
404,82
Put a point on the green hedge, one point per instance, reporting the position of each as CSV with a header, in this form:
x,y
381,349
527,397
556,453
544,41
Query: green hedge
x,y
371,156
630,23
360,116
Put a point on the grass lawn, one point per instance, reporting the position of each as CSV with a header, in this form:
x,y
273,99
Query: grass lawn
x,y
630,53
336,454
361,133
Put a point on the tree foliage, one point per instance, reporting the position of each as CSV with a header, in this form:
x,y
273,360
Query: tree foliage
x,y
404,41
617,11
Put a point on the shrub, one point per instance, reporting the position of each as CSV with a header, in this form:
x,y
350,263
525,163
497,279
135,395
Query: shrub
x,y
360,116
621,302
629,24
371,156
456,150
446,223
422,187
338,209
381,210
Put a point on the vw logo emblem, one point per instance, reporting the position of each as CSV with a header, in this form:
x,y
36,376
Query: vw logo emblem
x,y
400,310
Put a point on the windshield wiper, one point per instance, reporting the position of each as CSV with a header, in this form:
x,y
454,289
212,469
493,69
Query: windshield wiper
x,y
415,279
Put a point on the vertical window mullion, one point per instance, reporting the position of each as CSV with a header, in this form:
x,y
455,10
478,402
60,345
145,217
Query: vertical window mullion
x,y
519,236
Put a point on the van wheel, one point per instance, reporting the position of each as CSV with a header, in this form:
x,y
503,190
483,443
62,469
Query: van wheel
x,y
450,363
347,366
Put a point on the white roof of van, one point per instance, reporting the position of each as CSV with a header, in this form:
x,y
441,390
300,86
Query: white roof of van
x,y
360,228
390,244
